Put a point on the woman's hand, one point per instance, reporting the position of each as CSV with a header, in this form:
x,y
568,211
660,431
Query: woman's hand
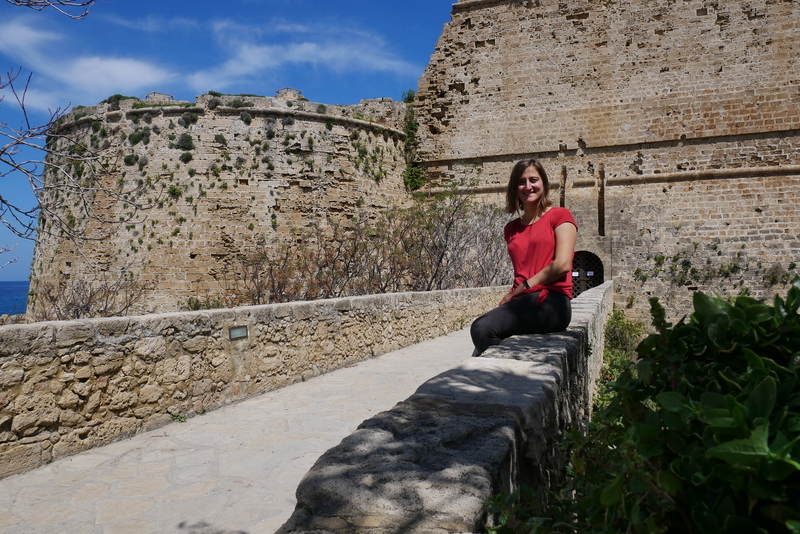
x,y
507,298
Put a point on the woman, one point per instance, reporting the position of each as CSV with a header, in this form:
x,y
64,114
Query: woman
x,y
541,244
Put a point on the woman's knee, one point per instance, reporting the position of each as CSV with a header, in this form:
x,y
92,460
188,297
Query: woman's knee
x,y
479,330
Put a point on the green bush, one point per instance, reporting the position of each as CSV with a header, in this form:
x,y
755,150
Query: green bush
x,y
702,435
185,142
219,138
175,192
141,134
413,177
131,159
186,157
246,118
196,304
114,100
239,103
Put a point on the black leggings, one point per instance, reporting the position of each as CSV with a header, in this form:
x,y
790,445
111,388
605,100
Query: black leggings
x,y
521,316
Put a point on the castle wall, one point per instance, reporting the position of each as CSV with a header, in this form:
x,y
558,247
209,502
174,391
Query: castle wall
x,y
265,171
670,129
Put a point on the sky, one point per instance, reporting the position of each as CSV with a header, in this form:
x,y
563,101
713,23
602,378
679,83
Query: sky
x,y
335,51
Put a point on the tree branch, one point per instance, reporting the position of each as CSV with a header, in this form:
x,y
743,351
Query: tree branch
x,y
82,6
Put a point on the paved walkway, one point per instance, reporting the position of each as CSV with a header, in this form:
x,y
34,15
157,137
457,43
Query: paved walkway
x,y
231,470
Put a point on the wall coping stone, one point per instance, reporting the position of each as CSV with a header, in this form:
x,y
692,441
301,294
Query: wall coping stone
x,y
490,424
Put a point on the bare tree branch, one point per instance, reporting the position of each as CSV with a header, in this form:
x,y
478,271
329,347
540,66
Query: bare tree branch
x,y
3,250
81,6
69,179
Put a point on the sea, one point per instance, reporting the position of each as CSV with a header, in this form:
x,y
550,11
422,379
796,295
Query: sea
x,y
13,297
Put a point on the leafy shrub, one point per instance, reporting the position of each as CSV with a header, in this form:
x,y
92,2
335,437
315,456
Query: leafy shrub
x,y
239,103
246,118
188,118
113,101
185,142
131,159
219,138
322,109
186,157
175,191
141,134
214,103
413,177
288,120
702,435
196,304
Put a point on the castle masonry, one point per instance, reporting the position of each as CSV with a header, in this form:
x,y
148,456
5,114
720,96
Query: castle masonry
x,y
182,189
669,128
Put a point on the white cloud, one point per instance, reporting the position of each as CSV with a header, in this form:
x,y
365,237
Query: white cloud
x,y
336,49
93,74
83,78
151,24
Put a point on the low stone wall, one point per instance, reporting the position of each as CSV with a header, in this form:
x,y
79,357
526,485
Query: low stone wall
x,y
72,385
428,464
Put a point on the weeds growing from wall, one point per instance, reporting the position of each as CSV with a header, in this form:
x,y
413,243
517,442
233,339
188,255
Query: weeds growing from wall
x,y
414,175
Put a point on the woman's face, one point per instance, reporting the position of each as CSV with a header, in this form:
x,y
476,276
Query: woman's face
x,y
530,187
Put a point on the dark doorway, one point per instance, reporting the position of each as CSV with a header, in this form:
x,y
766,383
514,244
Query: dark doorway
x,y
587,272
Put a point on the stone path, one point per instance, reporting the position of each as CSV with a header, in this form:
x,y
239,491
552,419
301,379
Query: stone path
x,y
231,470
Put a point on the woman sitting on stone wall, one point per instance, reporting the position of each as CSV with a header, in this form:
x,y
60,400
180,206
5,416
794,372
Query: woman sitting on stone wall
x,y
541,244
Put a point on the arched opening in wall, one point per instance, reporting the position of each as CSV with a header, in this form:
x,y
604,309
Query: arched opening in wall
x,y
587,272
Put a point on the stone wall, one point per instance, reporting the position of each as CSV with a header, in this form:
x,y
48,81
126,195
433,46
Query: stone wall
x,y
177,219
69,386
670,129
491,424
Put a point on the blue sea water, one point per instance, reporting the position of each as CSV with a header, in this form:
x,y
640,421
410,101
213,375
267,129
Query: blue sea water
x,y
13,297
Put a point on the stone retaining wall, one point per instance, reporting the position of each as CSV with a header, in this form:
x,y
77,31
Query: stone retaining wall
x,y
72,385
428,464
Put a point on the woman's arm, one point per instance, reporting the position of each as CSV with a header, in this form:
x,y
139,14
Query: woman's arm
x,y
566,234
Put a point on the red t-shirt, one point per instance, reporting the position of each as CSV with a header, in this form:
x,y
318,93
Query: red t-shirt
x,y
533,247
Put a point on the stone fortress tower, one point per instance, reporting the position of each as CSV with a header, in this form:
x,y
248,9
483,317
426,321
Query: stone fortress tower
x,y
671,129
211,179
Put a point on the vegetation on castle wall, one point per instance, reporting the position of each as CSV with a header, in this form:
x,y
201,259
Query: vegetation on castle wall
x,y
414,175
114,100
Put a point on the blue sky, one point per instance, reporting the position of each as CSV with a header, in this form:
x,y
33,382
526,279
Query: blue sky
x,y
336,52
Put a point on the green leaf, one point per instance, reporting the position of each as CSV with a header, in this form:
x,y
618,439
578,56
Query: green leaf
x,y
672,401
705,306
744,451
669,482
776,470
636,518
645,370
612,493
753,360
793,526
766,490
761,400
